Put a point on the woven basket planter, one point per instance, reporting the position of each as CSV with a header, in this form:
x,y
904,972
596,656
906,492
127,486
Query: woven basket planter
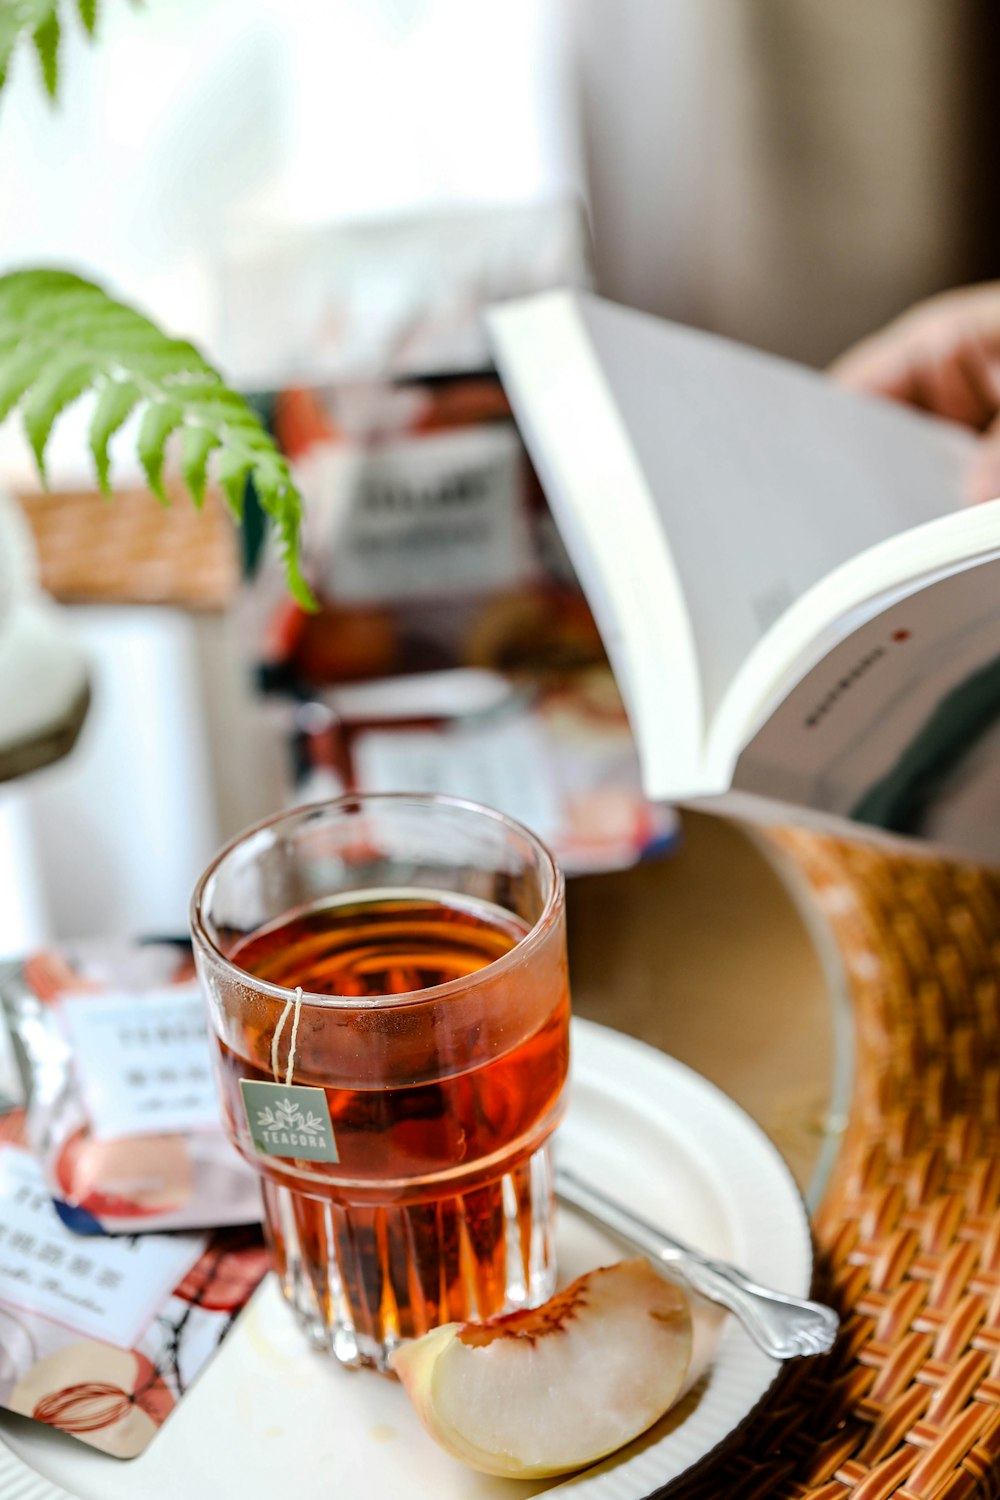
x,y
908,1234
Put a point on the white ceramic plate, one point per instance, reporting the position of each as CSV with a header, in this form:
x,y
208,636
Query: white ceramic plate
x,y
270,1418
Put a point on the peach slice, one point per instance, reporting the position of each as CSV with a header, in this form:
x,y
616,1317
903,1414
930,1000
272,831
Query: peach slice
x,y
556,1387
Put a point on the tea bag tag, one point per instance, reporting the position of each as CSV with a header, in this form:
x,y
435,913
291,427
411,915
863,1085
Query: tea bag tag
x,y
289,1119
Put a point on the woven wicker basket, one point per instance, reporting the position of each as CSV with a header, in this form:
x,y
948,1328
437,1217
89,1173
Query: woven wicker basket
x,y
131,550
908,1235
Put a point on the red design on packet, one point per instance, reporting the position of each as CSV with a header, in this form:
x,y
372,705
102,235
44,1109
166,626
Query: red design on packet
x,y
114,1397
49,975
301,419
94,1175
91,1405
12,1127
227,1273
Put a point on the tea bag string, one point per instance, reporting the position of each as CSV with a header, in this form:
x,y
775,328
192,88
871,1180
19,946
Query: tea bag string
x,y
294,1004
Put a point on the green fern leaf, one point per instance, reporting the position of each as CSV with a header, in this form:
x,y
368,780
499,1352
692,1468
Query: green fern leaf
x,y
38,21
275,503
11,28
61,336
234,469
117,401
196,445
19,19
18,371
57,387
160,419
46,37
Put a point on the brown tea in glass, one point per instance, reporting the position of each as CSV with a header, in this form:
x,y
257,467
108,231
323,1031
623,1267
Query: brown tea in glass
x,y
386,979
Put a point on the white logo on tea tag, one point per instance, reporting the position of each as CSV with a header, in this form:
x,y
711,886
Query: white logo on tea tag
x,y
289,1120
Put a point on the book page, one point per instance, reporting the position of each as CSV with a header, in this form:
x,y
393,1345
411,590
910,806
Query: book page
x,y
571,425
759,476
898,726
766,475
827,612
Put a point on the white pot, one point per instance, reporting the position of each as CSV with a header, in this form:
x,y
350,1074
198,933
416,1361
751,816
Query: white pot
x,y
43,675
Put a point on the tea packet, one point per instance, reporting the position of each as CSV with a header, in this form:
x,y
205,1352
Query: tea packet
x,y
554,752
427,539
102,1338
121,1111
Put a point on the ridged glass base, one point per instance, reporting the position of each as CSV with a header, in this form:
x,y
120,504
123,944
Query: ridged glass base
x,y
362,1279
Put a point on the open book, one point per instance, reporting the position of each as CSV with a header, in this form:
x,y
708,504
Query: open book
x,y
801,609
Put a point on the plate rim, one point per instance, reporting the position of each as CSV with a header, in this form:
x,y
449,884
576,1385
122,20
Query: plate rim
x,y
22,1481
734,1342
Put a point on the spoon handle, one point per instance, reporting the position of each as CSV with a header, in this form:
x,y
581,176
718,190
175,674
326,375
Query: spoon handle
x,y
784,1327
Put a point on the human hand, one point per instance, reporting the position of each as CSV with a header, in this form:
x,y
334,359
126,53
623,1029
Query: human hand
x,y
942,356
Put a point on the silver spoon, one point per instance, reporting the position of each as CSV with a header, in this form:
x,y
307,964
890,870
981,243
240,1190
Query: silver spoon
x,y
784,1327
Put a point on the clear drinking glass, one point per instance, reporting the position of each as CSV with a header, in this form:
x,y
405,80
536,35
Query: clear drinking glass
x,y
386,981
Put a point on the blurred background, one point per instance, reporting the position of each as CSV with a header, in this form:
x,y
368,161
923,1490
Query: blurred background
x,y
323,193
